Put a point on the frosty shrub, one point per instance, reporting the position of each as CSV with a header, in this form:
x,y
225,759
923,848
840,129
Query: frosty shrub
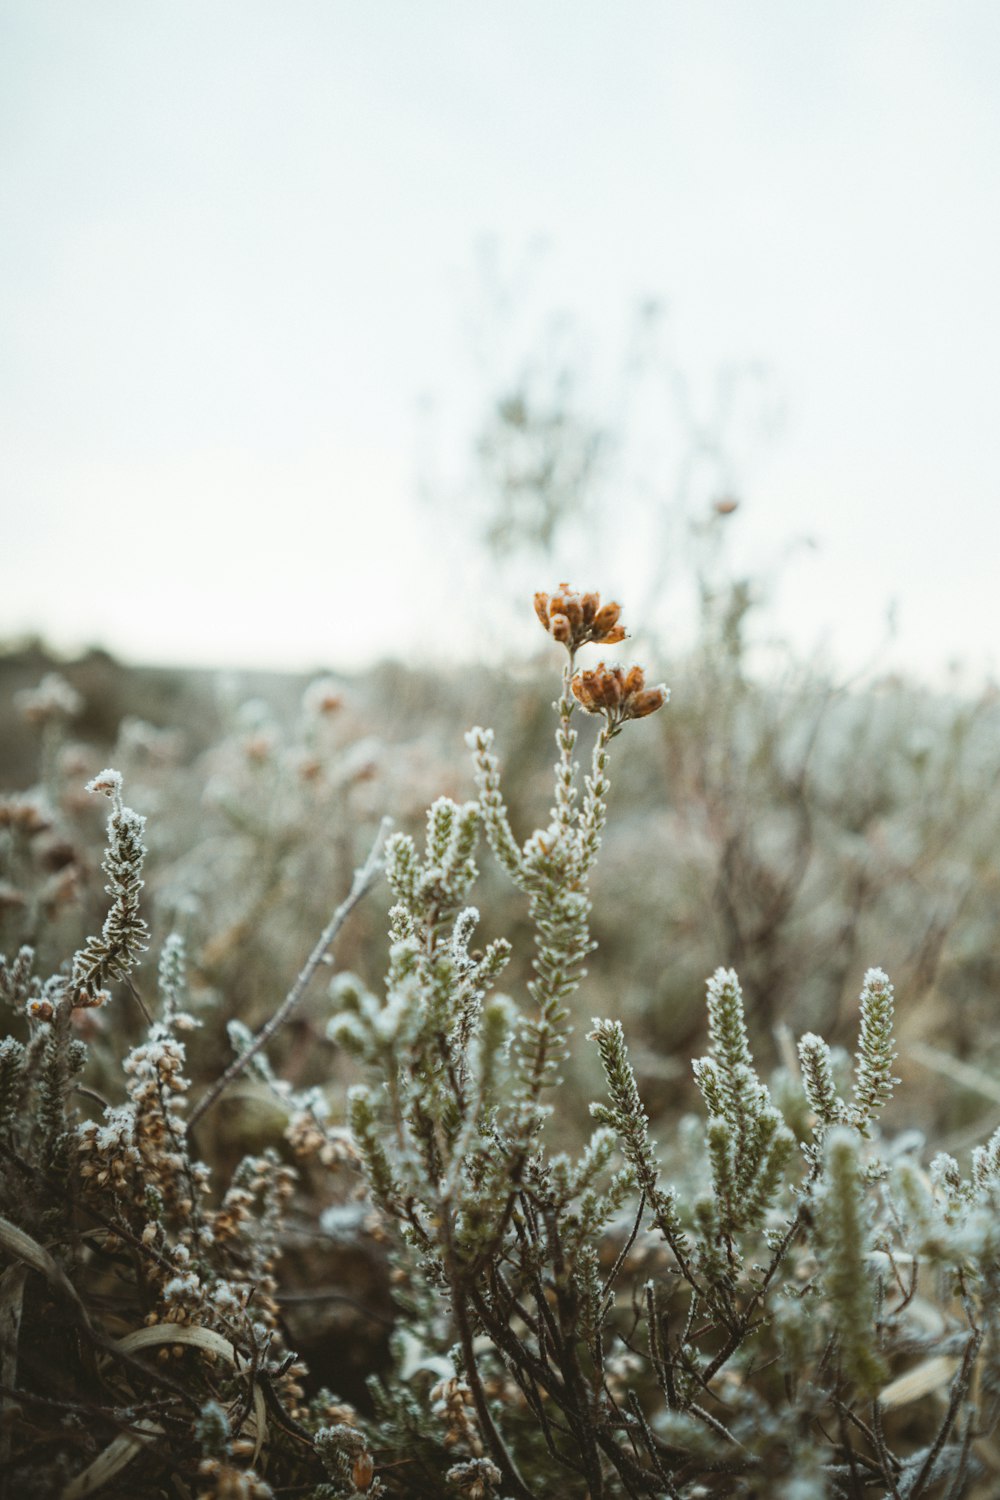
x,y
778,1299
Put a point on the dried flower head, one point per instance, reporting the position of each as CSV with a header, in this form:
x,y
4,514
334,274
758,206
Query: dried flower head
x,y
617,693
322,698
578,619
10,897
477,1480
231,1483
109,782
449,1401
53,700
85,999
258,748
26,814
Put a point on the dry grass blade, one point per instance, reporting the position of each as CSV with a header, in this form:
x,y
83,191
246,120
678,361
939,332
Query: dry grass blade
x,y
22,1247
930,1375
209,1342
182,1333
11,1304
111,1462
962,1073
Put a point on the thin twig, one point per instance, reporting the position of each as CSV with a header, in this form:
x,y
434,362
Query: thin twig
x,y
958,1483
582,1418
714,1423
639,1416
137,997
364,879
491,1433
278,1412
959,1386
852,1457
612,1276
886,1459
88,1093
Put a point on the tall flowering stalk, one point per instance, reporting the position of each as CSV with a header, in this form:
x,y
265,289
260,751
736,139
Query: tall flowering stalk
x,y
452,1140
104,958
124,935
525,1250
761,1261
553,866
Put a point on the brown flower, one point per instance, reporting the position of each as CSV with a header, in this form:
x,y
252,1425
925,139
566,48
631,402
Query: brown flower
x,y
24,814
578,619
322,698
53,700
617,693
87,1000
10,897
363,1471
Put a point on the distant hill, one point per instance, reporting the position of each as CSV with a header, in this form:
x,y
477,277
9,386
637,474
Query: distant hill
x,y
185,698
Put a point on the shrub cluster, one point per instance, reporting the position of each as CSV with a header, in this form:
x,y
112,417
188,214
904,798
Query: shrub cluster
x,y
778,1299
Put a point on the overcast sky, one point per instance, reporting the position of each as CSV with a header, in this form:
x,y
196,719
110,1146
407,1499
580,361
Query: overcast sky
x,y
238,249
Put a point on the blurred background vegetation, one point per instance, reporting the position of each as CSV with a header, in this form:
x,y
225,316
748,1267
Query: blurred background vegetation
x,y
777,818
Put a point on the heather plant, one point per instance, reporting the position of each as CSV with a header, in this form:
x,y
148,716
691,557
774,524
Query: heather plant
x,y
253,839
788,1266
770,1297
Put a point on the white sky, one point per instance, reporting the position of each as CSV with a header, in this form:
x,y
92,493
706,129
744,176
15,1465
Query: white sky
x,y
237,242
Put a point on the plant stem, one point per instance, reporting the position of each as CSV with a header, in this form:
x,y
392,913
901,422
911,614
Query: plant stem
x,y
364,879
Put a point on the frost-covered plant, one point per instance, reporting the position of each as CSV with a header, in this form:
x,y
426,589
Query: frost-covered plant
x,y
772,1298
133,1295
123,936
615,1327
